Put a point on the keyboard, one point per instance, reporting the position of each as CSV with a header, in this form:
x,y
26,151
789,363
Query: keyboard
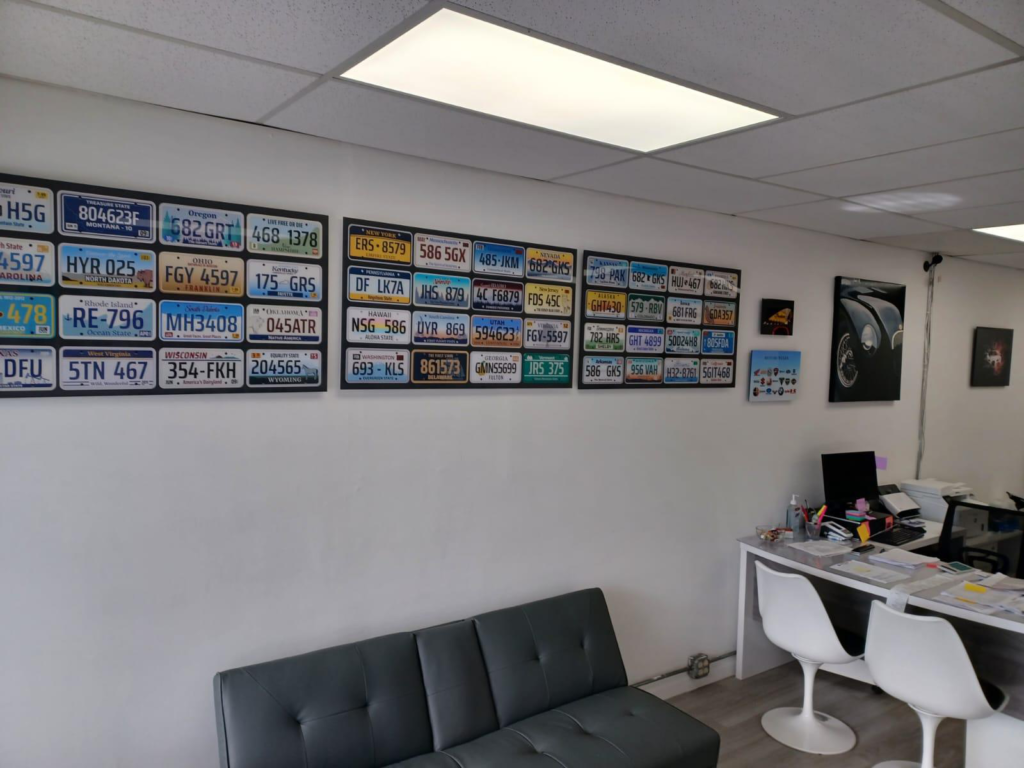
x,y
898,536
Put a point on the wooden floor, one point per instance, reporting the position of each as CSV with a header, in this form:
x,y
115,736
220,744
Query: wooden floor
x,y
886,729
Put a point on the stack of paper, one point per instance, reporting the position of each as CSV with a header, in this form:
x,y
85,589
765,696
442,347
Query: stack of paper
x,y
869,572
822,548
981,599
1003,583
902,558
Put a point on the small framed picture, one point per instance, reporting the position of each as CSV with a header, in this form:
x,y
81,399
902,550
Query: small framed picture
x,y
776,317
990,366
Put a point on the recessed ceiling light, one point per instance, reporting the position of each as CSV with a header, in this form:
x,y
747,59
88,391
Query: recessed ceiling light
x,y
1011,232
463,61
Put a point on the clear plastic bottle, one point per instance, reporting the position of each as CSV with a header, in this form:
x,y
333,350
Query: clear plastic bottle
x,y
795,519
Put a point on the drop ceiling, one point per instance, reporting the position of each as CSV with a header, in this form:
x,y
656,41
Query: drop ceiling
x,y
902,121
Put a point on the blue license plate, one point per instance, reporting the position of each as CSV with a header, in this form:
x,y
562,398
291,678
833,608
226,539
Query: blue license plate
x,y
107,318
645,340
196,227
284,280
717,342
381,286
644,276
445,291
105,217
107,368
499,259
497,296
613,273
26,316
682,370
497,331
201,321
283,368
27,368
376,366
440,329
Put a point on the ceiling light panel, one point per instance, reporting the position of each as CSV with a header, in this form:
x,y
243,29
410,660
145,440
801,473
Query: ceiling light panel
x,y
463,61
1012,232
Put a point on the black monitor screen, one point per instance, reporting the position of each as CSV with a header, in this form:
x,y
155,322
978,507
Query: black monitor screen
x,y
849,476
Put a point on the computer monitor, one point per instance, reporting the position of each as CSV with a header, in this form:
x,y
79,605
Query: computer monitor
x,y
849,476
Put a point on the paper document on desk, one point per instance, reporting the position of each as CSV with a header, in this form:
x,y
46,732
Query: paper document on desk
x,y
869,572
980,599
1003,583
902,558
822,548
923,585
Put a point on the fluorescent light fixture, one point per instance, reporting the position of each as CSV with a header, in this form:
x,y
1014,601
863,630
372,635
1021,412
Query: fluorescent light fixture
x,y
463,61
1010,232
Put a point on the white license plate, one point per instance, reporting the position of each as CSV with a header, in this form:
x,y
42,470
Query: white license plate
x,y
283,368
645,308
682,341
282,236
377,366
107,368
438,252
378,326
716,371
26,262
685,311
104,318
381,286
645,340
644,370
284,281
686,280
195,368
603,370
271,324
28,369
196,227
547,334
644,276
604,337
495,367
682,370
26,209
721,284
107,268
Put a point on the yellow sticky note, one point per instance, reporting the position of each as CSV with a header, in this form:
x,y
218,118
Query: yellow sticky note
x,y
974,588
864,531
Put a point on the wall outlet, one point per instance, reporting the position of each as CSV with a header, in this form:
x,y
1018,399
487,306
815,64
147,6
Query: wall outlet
x,y
700,666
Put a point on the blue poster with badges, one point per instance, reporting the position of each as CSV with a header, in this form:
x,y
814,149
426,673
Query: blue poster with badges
x,y
105,217
774,376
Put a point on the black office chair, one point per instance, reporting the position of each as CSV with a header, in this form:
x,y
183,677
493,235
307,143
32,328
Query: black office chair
x,y
1016,500
956,549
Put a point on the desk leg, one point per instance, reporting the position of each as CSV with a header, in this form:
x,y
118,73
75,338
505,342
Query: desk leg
x,y
755,653
995,742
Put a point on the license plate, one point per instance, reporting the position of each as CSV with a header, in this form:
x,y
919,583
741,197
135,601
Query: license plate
x,y
641,307
106,218
548,299
379,244
378,326
716,371
496,367
28,368
600,337
497,296
26,262
718,342
547,334
498,259
497,331
685,311
645,340
377,366
445,291
281,236
682,370
688,280
606,305
644,370
26,209
546,368
720,313
107,268
611,273
196,368
429,367
283,368
647,277
603,370
201,321
107,368
437,252
682,341
267,324
384,286
106,318
195,227
440,329
284,280
26,316
722,284
549,265
206,275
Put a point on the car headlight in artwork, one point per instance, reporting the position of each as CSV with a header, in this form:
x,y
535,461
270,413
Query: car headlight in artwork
x,y
869,338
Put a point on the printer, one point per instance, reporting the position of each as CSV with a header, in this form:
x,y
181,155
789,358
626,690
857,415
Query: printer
x,y
930,495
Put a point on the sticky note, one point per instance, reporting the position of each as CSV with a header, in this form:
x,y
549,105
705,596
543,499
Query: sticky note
x,y
974,588
881,462
864,532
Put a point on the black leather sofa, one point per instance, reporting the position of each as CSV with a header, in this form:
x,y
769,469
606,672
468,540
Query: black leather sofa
x,y
540,685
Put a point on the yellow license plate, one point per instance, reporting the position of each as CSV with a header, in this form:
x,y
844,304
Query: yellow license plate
x,y
207,275
548,299
378,244
606,304
549,265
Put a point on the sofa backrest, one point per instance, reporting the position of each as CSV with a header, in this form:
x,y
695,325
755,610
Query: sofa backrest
x,y
377,702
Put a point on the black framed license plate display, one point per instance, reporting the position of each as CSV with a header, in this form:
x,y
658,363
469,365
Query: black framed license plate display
x,y
655,323
117,292
426,308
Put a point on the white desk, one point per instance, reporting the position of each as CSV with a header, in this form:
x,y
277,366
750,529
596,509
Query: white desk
x,y
995,643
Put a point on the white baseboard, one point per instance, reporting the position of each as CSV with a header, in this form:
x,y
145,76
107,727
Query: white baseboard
x,y
671,687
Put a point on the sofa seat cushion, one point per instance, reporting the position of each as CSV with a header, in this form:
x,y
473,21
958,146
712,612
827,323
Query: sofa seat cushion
x,y
508,749
432,760
625,726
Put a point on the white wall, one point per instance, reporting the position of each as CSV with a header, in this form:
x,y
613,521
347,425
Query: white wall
x,y
146,543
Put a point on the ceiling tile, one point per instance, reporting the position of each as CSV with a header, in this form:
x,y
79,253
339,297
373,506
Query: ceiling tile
x,y
956,160
40,44
662,182
1012,260
954,242
376,118
764,51
1004,16
965,193
841,218
315,35
974,105
985,216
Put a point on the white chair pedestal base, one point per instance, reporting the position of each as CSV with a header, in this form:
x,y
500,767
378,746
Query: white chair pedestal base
x,y
898,764
929,725
818,734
